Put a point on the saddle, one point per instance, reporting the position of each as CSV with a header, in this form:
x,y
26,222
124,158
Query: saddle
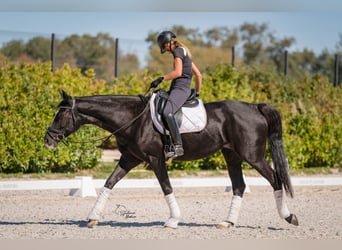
x,y
191,117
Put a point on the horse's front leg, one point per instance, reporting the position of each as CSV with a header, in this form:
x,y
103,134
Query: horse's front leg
x,y
122,168
159,168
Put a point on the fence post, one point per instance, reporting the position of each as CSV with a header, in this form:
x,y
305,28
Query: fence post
x,y
233,56
116,57
336,70
285,62
53,52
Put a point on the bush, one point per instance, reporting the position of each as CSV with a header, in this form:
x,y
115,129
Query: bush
x,y
28,99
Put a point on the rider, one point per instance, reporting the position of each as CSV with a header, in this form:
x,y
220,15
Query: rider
x,y
179,91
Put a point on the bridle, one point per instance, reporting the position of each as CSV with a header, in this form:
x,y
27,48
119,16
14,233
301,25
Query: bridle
x,y
58,135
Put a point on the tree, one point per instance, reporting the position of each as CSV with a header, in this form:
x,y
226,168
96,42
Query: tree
x,y
95,52
253,37
230,39
13,49
302,62
276,50
324,64
208,48
39,48
84,52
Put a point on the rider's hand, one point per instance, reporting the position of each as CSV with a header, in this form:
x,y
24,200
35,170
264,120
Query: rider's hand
x,y
156,82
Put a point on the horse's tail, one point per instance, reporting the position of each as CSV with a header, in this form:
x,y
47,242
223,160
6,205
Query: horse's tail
x,y
276,146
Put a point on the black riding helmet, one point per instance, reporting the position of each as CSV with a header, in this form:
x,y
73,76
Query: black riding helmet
x,y
165,37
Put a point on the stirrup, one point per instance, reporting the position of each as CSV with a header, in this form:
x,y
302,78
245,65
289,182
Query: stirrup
x,y
173,151
179,151
169,152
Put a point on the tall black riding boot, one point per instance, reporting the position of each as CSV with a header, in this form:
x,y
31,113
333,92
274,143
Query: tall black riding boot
x,y
175,135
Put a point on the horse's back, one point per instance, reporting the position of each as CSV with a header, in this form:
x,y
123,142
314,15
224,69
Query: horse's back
x,y
239,121
233,108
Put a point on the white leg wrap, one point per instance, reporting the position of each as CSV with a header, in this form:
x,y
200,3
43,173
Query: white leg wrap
x,y
174,211
281,205
100,203
234,210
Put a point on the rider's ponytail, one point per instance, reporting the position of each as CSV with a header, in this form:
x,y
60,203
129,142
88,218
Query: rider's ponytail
x,y
179,44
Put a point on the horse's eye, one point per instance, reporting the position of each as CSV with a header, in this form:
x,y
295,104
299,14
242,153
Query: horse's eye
x,y
60,137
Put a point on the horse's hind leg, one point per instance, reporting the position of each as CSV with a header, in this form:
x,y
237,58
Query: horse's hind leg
x,y
122,168
238,187
266,171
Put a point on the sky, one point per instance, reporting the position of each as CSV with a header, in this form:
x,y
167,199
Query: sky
x,y
315,25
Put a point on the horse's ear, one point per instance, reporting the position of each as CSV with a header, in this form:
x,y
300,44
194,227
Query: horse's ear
x,y
64,95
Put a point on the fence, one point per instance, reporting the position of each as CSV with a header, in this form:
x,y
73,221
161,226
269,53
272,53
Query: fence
x,y
115,62
136,47
85,186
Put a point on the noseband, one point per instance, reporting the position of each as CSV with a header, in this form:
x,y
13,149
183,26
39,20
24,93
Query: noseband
x,y
59,134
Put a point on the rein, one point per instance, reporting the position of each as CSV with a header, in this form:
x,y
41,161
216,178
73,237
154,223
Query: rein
x,y
58,135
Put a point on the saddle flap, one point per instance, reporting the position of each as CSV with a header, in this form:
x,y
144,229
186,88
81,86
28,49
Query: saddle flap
x,y
192,118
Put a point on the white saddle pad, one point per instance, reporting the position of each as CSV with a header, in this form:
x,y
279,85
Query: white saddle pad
x,y
193,119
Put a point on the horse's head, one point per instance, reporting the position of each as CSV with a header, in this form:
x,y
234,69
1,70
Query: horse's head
x,y
64,122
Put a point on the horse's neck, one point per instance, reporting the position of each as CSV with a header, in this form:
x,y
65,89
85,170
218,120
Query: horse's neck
x,y
109,112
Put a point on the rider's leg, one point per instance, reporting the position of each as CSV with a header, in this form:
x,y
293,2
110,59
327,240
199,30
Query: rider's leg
x,y
177,97
176,137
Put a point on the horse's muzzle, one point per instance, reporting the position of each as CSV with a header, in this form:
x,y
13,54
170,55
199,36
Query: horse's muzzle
x,y
49,142
51,139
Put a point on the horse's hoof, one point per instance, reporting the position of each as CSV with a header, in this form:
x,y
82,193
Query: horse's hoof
x,y
92,223
171,223
292,219
224,224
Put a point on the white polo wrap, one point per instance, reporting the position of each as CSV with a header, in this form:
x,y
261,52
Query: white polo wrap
x,y
234,210
100,203
281,205
172,203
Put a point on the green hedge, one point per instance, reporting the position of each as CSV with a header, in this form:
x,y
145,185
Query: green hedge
x,y
28,99
310,108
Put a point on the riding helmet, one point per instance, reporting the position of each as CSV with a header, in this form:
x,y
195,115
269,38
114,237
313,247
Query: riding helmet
x,y
165,37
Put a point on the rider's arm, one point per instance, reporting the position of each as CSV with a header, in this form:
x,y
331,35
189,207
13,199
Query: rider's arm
x,y
198,78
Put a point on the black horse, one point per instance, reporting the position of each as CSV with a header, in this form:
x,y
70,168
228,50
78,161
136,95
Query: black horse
x,y
240,130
